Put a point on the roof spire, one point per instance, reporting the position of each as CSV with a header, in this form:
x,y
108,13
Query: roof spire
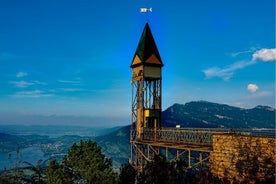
x,y
146,52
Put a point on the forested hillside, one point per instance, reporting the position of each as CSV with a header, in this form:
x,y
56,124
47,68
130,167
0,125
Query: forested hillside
x,y
204,114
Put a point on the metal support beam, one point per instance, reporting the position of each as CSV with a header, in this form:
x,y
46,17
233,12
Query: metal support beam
x,y
189,158
166,153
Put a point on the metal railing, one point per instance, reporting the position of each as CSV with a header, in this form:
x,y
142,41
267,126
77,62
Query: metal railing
x,y
184,136
200,136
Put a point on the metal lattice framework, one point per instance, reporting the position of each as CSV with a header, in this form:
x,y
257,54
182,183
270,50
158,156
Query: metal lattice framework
x,y
194,145
183,136
146,94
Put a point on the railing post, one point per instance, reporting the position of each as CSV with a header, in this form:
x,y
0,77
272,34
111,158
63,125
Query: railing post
x,y
166,153
155,127
189,158
200,159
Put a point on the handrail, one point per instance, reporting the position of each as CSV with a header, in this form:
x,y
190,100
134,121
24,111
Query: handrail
x,y
178,135
201,136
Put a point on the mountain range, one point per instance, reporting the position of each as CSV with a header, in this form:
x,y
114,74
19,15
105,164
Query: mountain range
x,y
115,142
202,114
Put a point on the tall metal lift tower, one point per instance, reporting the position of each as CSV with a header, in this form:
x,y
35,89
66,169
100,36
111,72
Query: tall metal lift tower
x,y
146,97
148,137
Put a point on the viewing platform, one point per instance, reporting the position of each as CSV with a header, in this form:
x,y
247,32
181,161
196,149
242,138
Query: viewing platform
x,y
199,139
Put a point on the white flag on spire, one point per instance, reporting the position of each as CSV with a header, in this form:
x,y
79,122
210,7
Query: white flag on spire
x,y
144,10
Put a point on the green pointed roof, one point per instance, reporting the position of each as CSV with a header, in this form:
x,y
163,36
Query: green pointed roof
x,y
146,52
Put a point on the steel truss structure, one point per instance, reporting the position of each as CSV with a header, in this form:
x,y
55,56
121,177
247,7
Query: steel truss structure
x,y
146,95
192,145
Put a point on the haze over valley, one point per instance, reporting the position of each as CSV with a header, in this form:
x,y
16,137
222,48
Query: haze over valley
x,y
37,142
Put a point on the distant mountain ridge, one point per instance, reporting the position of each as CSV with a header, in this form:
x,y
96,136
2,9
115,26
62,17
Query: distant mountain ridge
x,y
115,142
203,114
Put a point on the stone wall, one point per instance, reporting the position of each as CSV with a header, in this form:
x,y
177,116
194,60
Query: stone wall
x,y
243,157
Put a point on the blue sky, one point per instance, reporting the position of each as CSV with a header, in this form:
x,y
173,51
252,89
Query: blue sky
x,y
71,58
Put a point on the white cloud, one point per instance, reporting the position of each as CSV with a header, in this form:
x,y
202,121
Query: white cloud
x,y
252,88
25,84
235,54
71,89
21,84
76,82
21,74
227,72
38,82
218,72
265,55
32,94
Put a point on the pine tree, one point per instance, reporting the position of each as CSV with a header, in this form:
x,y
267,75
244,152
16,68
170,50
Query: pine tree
x,y
84,163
